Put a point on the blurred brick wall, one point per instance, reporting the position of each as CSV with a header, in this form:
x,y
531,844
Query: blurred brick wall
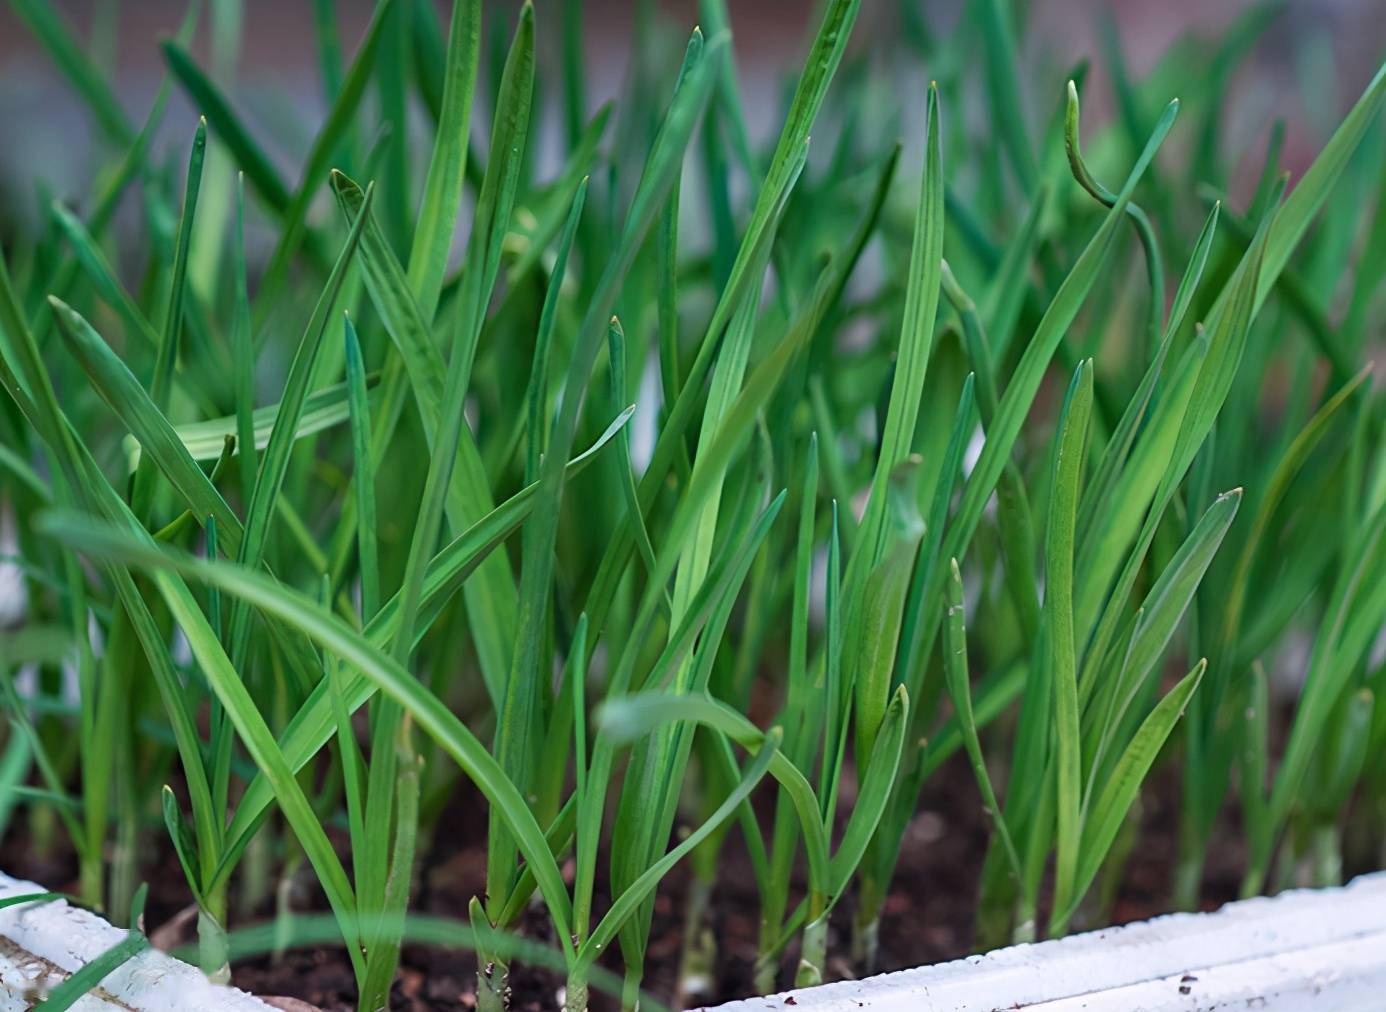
x,y
47,131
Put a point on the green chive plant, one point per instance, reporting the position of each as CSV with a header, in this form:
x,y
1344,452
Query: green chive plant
x,y
659,498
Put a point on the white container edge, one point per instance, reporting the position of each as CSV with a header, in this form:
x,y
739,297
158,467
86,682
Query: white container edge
x,y
1304,949
43,943
1301,950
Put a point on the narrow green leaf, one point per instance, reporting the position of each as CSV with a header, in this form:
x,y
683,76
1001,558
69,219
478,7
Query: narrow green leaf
x,y
1004,91
1300,450
124,394
93,972
960,692
88,79
1058,606
1025,380
170,340
916,345
442,195
1117,794
1314,186
313,725
1160,614
227,127
103,278
1352,622
875,617
639,890
243,356
365,474
627,718
184,845
356,650
275,462
319,159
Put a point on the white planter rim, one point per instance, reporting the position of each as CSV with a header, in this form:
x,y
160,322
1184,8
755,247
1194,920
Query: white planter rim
x,y
43,943
1322,948
1303,949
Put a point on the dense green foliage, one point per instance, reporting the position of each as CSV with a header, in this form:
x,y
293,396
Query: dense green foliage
x,y
695,494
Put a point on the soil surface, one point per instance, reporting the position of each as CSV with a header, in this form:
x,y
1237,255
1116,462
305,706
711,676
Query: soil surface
x,y
927,918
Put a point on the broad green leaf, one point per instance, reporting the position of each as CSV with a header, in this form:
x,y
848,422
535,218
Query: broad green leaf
x,y
184,844
491,611
243,360
882,768
1112,467
1220,358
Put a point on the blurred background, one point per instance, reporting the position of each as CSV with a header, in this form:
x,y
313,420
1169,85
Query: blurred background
x,y
1312,58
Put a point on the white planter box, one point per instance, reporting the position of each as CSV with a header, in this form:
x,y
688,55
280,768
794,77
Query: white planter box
x,y
1302,950
42,943
1308,949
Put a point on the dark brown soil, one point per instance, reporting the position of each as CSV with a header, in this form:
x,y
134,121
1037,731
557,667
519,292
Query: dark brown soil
x,y
927,918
